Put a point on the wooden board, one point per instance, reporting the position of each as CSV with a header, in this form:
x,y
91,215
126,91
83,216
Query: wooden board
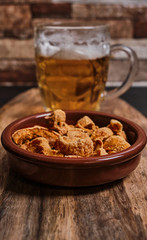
x,y
31,211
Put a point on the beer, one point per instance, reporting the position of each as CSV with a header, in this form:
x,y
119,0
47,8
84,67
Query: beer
x,y
72,65
71,83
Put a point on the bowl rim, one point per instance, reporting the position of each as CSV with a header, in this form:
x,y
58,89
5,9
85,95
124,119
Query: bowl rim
x,y
106,160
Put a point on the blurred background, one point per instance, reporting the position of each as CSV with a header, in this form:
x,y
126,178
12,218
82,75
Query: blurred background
x,y
128,25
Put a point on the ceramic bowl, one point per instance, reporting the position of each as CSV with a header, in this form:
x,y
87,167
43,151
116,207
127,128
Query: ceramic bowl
x,y
74,172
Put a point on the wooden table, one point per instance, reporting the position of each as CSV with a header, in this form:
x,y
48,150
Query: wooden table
x,y
31,211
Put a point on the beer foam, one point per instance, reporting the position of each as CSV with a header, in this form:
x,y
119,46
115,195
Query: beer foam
x,y
73,52
47,50
81,52
56,47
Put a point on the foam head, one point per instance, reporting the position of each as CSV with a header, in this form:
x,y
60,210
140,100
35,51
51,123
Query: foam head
x,y
71,46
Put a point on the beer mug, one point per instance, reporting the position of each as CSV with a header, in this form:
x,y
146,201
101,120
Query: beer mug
x,y
72,66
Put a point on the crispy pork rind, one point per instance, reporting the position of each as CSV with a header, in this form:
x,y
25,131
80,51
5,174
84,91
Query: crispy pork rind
x,y
85,122
101,133
98,143
115,126
115,144
56,153
26,134
38,145
57,121
100,152
82,140
122,134
75,146
77,132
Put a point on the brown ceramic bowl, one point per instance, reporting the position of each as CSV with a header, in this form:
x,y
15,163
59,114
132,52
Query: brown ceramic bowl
x,y
75,172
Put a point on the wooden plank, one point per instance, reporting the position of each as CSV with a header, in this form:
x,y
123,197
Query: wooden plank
x,y
33,211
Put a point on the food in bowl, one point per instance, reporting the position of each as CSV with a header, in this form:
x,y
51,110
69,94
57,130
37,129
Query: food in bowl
x,y
74,171
84,139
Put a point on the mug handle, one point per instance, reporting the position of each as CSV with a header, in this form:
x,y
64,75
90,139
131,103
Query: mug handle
x,y
126,84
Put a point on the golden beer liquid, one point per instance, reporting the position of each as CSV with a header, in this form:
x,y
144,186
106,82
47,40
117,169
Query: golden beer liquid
x,y
71,84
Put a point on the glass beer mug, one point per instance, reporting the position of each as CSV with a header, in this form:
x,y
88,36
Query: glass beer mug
x,y
72,66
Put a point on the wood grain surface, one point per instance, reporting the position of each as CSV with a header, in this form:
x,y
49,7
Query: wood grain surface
x,y
32,211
